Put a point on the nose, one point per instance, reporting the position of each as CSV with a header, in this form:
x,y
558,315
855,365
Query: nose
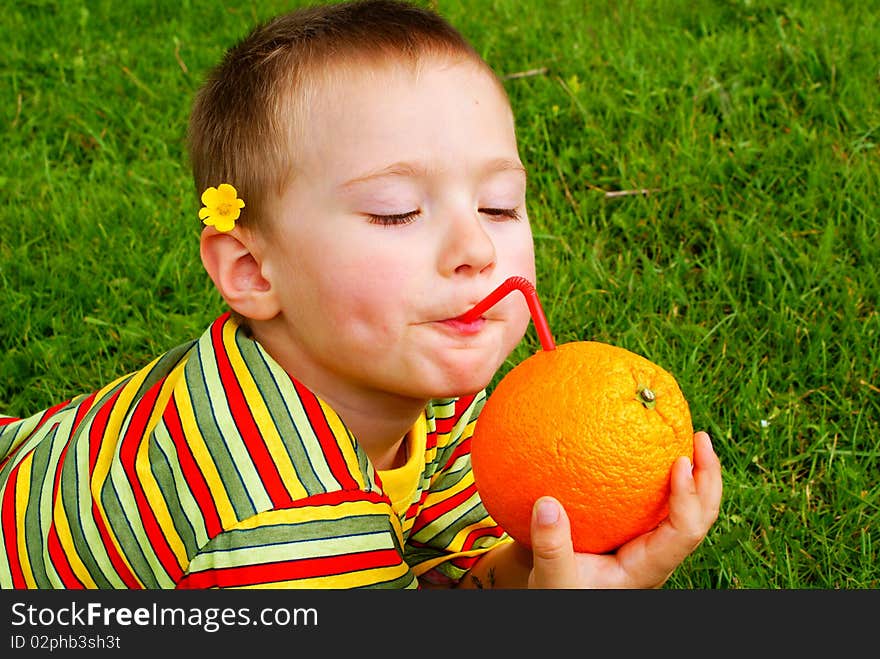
x,y
467,248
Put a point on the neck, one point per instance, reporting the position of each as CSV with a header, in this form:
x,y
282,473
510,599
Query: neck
x,y
380,426
378,419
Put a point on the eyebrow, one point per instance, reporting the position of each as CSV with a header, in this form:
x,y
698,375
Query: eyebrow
x,y
412,170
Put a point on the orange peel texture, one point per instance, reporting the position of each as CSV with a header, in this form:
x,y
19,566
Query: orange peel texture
x,y
595,426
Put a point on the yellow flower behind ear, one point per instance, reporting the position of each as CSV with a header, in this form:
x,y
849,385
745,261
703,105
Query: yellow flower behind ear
x,y
222,207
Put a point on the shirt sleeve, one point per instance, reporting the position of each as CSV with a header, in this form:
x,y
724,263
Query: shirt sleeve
x,y
453,528
343,539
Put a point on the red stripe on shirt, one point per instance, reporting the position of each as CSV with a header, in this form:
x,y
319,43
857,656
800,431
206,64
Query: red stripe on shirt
x,y
59,560
97,433
446,424
81,410
463,449
329,442
48,413
119,565
337,497
307,568
98,428
57,555
478,534
129,444
244,421
10,530
442,507
193,476
43,417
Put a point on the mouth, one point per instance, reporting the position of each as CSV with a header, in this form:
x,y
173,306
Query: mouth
x,y
465,327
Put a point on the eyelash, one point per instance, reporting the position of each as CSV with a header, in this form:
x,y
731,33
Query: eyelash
x,y
401,219
394,220
508,213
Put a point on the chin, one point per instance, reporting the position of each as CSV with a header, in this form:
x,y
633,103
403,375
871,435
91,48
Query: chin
x,y
463,384
460,373
458,392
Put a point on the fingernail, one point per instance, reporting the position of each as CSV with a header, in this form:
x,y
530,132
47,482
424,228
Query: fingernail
x,y
547,512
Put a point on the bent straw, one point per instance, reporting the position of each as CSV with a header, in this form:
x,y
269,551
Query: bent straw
x,y
525,287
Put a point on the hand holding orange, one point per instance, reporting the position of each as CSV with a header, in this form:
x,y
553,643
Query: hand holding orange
x,y
595,426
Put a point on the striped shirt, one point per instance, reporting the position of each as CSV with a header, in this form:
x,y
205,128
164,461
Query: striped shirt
x,y
212,467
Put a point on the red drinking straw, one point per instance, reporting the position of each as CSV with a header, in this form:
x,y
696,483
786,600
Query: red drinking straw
x,y
525,287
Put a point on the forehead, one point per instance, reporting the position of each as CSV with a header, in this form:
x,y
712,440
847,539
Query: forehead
x,y
409,69
378,100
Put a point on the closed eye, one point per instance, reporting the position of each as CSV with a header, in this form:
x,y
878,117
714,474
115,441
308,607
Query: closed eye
x,y
394,220
502,213
399,219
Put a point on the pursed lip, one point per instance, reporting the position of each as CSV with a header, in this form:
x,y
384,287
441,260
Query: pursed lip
x,y
459,326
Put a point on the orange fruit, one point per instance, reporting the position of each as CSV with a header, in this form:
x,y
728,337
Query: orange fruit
x,y
595,426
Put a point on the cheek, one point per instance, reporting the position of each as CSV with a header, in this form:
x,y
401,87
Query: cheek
x,y
516,252
366,295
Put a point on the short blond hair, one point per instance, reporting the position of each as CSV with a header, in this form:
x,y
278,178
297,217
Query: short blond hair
x,y
245,116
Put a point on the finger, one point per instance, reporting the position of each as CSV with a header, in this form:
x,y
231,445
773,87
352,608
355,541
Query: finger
x,y
695,493
553,563
683,529
651,559
707,476
685,508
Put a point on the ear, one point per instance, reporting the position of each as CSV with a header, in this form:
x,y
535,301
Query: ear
x,y
236,271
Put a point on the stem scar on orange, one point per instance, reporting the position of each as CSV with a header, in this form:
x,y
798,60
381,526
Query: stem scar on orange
x,y
595,426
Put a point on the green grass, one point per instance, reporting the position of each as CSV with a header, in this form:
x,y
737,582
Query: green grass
x,y
748,270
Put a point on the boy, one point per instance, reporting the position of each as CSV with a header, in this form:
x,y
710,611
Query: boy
x,y
363,189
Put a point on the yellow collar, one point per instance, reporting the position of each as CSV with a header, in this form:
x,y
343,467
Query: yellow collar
x,y
400,484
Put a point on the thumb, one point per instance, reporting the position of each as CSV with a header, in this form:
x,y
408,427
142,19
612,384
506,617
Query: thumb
x,y
553,564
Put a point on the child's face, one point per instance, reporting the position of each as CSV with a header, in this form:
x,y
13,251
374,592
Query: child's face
x,y
398,220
